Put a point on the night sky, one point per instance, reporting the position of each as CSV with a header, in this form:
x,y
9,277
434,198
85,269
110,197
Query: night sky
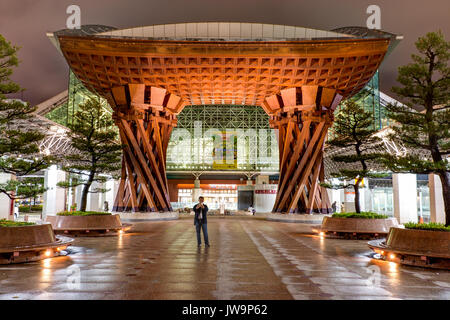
x,y
43,72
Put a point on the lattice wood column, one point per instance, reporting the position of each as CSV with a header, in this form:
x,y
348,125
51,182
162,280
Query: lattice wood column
x,y
145,116
302,116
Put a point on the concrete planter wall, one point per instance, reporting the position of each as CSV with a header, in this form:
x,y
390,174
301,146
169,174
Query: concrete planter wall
x,y
26,236
296,218
148,216
82,223
29,243
421,242
358,225
423,248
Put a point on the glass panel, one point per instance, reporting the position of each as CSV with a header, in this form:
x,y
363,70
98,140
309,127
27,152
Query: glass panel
x,y
223,137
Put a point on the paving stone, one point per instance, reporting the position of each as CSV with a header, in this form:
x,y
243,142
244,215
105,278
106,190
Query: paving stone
x,y
249,259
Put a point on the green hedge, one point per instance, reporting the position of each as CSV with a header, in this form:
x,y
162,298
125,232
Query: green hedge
x,y
26,208
8,223
83,213
431,226
362,215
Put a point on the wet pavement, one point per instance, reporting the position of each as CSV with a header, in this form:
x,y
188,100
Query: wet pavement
x,y
249,258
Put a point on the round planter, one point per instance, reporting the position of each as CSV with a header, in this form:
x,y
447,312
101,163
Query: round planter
x,y
296,218
414,247
148,216
95,225
30,243
358,227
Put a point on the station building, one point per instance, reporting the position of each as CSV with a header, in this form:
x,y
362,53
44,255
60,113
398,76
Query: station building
x,y
223,145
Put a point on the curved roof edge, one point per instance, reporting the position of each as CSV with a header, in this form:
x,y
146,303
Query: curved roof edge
x,y
85,30
226,31
365,32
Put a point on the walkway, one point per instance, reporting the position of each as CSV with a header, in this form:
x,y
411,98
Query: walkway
x,y
249,258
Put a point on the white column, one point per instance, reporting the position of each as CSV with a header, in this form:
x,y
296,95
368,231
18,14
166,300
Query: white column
x,y
5,202
405,197
349,199
337,195
262,179
112,186
264,197
78,193
93,198
197,191
437,213
54,197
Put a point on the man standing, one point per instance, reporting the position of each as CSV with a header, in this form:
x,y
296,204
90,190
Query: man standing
x,y
200,221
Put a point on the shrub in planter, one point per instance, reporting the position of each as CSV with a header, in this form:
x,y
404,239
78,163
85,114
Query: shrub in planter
x,y
364,225
361,215
8,223
36,207
431,226
24,209
83,213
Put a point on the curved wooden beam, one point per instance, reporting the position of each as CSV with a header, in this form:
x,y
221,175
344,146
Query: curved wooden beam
x,y
302,115
145,117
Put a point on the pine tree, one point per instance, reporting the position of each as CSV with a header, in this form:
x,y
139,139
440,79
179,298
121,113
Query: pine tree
x,y
353,129
95,137
19,151
31,187
425,86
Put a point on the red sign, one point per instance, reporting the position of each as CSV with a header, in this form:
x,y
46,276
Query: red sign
x,y
265,191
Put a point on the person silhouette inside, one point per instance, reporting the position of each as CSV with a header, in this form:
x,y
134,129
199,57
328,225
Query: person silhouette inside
x,y
200,221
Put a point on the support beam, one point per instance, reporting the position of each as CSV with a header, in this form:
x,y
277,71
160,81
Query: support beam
x,y
437,211
6,203
145,118
302,116
54,196
405,197
197,191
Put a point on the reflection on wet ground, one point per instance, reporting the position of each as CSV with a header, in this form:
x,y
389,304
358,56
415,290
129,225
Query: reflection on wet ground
x,y
248,259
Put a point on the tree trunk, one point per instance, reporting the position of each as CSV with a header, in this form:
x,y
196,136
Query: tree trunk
x,y
85,192
445,181
357,207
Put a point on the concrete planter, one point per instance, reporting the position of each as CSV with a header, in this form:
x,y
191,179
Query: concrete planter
x,y
149,216
95,225
30,243
296,218
422,248
358,226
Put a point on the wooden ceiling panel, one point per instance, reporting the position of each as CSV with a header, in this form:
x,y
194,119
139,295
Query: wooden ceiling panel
x,y
239,72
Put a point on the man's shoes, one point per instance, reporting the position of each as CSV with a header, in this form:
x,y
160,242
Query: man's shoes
x,y
207,245
199,246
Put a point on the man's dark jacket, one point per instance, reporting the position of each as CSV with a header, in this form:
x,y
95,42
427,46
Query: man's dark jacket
x,y
204,214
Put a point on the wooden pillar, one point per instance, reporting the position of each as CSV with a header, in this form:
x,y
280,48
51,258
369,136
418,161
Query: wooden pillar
x,y
145,117
302,116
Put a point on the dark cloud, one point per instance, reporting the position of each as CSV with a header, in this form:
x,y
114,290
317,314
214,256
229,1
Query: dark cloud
x,y
43,71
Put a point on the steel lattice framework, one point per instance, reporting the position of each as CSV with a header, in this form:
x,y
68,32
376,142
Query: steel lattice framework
x,y
256,141
224,117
